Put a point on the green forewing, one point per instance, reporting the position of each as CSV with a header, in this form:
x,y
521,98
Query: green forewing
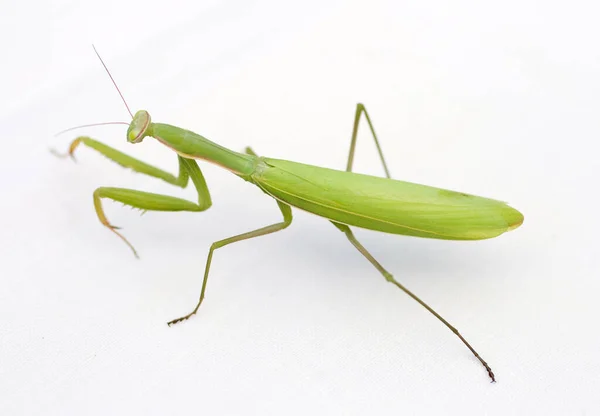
x,y
386,205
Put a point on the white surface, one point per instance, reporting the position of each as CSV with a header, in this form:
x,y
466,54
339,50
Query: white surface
x,y
497,99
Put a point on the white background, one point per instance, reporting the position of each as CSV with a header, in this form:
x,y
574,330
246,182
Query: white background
x,y
500,99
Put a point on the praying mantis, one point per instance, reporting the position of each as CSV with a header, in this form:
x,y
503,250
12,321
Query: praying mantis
x,y
344,198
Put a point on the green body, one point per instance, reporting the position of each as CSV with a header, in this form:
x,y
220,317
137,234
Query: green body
x,y
343,197
385,205
355,199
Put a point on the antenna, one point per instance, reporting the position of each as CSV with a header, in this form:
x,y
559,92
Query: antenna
x,y
90,125
113,81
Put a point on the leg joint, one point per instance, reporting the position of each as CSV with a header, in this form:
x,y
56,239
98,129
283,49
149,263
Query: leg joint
x,y
388,276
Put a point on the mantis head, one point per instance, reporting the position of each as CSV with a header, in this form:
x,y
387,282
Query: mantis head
x,y
139,127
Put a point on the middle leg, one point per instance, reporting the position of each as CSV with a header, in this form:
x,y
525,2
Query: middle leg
x,y
287,220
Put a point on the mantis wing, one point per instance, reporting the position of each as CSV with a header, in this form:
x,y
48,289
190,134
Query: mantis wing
x,y
386,205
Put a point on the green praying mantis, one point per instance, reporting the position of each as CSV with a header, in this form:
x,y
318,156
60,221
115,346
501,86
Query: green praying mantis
x,y
344,198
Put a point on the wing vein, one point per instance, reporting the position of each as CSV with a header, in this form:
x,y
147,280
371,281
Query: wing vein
x,y
350,212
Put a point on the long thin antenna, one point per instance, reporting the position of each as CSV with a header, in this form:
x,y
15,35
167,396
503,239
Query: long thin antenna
x,y
113,81
90,125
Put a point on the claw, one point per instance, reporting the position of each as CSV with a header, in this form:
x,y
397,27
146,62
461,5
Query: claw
x,y
183,318
114,230
74,144
62,155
